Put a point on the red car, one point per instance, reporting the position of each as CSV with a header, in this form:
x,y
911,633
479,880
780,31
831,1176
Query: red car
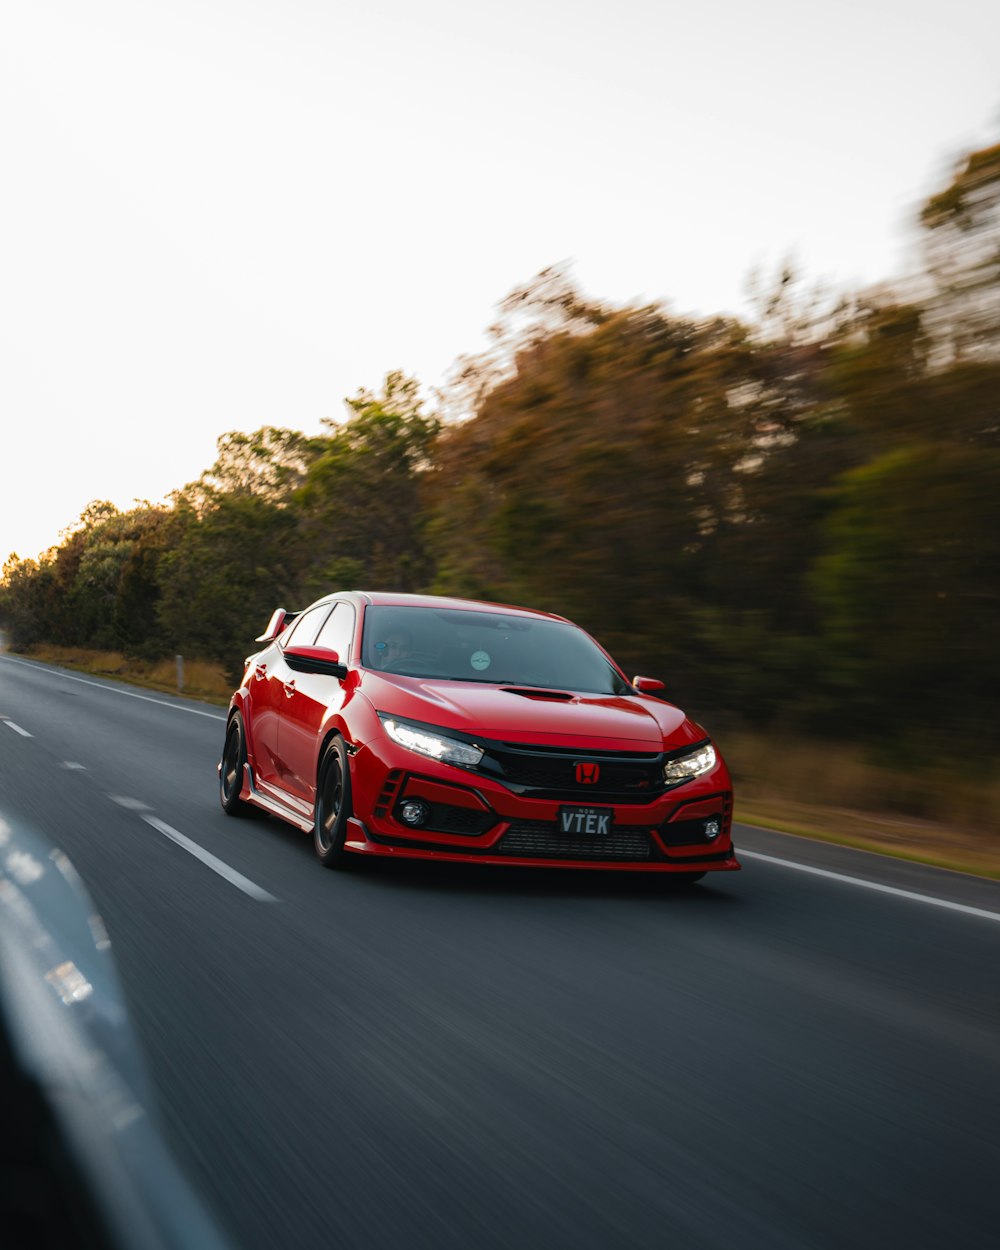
x,y
409,726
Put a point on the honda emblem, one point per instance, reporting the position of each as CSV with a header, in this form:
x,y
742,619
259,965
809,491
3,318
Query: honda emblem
x,y
587,774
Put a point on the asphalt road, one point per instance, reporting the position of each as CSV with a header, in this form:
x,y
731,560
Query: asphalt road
x,y
804,1054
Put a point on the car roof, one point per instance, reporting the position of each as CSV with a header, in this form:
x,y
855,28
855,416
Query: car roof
x,y
394,599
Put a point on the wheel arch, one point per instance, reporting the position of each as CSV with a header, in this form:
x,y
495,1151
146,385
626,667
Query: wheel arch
x,y
334,729
365,722
238,704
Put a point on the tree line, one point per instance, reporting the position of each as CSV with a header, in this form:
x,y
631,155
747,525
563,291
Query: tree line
x,y
794,522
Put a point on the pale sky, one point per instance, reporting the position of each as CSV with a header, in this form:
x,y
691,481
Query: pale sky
x,y
217,214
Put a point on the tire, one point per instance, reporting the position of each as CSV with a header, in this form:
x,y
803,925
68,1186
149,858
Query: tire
x,y
333,806
234,758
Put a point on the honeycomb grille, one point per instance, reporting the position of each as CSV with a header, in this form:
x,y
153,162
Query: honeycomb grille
x,y
541,840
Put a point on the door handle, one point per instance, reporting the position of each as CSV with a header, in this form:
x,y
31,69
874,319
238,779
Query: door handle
x,y
290,689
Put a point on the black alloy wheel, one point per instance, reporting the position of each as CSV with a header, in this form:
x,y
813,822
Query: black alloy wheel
x,y
234,758
333,806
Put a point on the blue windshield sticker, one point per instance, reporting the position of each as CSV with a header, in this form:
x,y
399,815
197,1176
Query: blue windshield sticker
x,y
480,660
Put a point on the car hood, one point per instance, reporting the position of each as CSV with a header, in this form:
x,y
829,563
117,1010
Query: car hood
x,y
526,714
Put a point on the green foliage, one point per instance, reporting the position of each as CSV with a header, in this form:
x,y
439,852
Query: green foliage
x,y
26,595
362,496
910,583
225,573
596,479
962,234
270,463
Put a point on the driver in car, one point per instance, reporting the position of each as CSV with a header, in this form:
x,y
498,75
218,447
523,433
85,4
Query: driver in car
x,y
398,646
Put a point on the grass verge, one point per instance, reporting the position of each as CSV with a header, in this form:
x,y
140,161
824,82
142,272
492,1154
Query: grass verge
x,y
923,842
931,812
202,680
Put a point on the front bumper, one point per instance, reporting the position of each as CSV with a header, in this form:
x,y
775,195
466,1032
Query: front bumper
x,y
360,840
473,819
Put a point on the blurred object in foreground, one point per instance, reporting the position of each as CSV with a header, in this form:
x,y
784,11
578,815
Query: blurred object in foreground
x,y
83,1164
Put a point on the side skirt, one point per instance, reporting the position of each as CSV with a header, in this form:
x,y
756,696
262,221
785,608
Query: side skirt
x,y
274,806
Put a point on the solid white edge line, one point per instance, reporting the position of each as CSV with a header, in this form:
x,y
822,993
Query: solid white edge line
x,y
872,885
17,729
129,694
217,865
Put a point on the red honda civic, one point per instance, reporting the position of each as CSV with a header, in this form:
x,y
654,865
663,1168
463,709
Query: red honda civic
x,y
416,727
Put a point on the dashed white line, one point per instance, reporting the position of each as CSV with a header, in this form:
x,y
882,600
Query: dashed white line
x,y
133,805
217,865
929,899
73,766
129,694
17,729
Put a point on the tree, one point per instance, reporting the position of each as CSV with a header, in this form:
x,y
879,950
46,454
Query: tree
x,y
26,599
224,574
909,583
598,472
271,463
362,497
962,225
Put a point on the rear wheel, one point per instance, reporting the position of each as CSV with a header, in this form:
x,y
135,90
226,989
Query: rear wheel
x,y
234,758
333,806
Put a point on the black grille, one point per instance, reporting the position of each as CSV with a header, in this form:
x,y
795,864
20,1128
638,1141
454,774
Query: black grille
x,y
635,777
542,840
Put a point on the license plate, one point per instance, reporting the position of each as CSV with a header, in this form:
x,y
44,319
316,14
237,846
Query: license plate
x,y
589,821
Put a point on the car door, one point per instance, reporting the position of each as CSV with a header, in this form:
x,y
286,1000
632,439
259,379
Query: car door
x,y
268,698
308,699
264,706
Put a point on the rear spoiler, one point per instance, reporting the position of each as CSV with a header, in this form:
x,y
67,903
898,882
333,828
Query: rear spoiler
x,y
279,622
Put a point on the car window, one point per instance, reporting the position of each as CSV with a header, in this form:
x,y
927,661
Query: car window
x,y
338,631
486,646
303,632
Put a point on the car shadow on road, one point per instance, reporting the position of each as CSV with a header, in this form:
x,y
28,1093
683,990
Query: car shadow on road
x,y
564,883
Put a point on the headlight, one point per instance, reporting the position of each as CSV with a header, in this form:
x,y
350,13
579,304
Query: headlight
x,y
434,745
684,767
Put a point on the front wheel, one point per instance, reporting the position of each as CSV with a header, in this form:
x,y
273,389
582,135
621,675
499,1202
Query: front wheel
x,y
333,806
234,758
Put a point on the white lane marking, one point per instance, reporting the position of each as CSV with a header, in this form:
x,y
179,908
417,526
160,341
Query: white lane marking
x,y
133,805
873,885
129,694
230,874
17,729
73,766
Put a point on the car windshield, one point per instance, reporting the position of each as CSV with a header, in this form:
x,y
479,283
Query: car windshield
x,y
491,647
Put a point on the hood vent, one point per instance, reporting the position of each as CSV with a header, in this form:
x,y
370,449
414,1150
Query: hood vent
x,y
531,692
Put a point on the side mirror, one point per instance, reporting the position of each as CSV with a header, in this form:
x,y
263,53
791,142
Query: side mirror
x,y
647,685
315,660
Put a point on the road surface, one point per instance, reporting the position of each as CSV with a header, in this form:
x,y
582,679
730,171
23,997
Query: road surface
x,y
804,1054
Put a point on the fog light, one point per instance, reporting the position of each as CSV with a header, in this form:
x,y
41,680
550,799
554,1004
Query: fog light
x,y
413,812
712,828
